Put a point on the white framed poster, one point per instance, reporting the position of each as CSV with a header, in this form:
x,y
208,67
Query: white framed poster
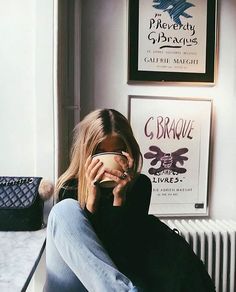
x,y
174,137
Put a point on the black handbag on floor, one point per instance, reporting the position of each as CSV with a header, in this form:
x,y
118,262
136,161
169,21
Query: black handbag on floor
x,y
21,208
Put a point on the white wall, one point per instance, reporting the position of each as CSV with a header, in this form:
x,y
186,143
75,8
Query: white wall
x,y
17,83
104,75
26,88
27,128
26,82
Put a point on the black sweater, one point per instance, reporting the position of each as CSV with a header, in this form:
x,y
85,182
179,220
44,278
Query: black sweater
x,y
142,247
121,229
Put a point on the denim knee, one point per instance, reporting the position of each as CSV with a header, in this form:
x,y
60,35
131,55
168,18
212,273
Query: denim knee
x,y
65,205
66,208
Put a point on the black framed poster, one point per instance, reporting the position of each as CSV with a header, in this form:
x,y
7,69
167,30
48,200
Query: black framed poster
x,y
172,40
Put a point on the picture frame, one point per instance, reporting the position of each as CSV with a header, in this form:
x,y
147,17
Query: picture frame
x,y
172,43
174,136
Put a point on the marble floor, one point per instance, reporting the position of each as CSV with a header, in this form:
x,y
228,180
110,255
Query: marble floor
x,y
19,256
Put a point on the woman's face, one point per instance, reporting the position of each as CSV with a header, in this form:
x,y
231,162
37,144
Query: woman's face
x,y
111,144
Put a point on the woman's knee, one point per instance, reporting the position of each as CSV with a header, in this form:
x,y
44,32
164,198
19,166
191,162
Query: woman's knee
x,y
66,209
68,218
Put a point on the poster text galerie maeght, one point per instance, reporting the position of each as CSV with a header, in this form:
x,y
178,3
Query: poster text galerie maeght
x,y
174,140
175,40
172,38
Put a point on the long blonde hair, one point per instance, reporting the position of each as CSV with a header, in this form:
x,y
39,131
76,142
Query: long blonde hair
x,y
90,132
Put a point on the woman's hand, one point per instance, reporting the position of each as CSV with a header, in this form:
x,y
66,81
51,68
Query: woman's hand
x,y
123,179
94,171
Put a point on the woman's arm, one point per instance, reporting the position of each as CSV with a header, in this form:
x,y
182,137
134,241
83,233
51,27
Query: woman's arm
x,y
138,200
122,227
69,190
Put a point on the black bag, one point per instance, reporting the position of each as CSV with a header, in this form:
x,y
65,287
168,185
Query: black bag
x,y
21,208
171,265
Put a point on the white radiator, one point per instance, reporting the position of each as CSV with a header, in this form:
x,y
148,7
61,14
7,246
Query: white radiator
x,y
214,242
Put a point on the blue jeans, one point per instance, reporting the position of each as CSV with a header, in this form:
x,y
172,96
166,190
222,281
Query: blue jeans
x,y
75,257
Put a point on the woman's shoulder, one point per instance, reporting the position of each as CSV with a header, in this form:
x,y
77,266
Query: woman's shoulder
x,y
141,184
71,183
139,196
69,189
143,179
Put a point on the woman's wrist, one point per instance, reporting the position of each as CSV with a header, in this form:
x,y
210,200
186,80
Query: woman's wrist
x,y
119,200
91,207
92,203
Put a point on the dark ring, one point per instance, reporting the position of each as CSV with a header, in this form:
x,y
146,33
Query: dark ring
x,y
95,183
124,175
